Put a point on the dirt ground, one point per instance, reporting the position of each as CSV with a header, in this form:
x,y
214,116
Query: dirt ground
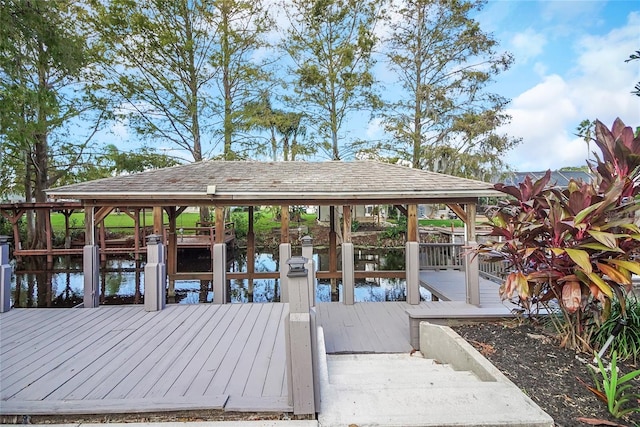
x,y
552,376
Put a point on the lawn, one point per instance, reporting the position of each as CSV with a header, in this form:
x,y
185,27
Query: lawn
x,y
120,222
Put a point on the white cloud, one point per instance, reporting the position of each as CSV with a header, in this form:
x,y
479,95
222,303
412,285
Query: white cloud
x,y
528,44
598,86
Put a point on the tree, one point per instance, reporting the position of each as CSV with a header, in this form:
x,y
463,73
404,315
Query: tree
x,y
260,115
634,57
242,26
442,119
158,55
330,43
179,65
47,70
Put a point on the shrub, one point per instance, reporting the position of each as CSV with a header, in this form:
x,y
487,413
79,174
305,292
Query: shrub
x,y
627,342
573,249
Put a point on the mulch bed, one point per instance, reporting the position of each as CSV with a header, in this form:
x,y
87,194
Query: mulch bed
x,y
552,376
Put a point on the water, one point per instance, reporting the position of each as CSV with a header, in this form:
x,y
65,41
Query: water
x,y
122,281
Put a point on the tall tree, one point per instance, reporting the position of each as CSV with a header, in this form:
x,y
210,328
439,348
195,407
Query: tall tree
x,y
183,67
46,72
441,118
330,43
242,26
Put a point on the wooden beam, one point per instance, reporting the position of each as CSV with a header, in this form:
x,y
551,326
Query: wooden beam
x,y
251,244
89,225
284,224
402,209
458,210
346,224
412,223
470,220
102,213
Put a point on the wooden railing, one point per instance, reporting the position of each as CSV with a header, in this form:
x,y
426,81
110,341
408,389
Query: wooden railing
x,y
449,256
441,256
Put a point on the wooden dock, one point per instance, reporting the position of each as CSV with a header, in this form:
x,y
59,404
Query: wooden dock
x,y
121,359
231,357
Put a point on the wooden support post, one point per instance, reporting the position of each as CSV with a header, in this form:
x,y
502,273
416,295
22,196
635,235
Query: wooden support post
x,y
157,220
307,252
49,236
284,224
251,251
103,241
219,224
472,269
333,249
346,224
136,233
412,223
300,379
172,252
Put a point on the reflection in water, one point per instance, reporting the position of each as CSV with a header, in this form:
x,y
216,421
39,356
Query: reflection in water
x,y
122,281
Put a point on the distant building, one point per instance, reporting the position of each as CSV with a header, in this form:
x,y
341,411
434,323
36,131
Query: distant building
x,y
558,178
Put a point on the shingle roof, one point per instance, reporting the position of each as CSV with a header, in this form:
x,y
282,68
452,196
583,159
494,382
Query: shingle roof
x,y
558,178
287,181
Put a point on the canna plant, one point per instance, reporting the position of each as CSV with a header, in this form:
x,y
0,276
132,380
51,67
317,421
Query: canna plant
x,y
573,250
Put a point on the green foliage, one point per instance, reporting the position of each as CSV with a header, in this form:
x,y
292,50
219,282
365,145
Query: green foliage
x,y
330,43
634,57
627,343
577,246
395,231
615,390
444,120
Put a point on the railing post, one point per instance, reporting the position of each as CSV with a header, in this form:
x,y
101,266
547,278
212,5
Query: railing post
x,y
348,274
472,274
307,252
300,372
155,275
91,273
5,275
285,254
220,273
413,272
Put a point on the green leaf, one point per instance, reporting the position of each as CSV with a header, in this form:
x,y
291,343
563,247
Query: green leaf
x,y
607,239
581,258
580,216
600,247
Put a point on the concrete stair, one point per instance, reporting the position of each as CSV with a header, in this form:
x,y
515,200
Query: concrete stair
x,y
410,390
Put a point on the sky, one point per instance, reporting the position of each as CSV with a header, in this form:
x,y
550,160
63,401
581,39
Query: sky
x,y
569,66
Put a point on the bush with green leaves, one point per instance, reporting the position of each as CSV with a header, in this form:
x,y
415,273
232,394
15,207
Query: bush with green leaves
x,y
573,250
627,343
616,389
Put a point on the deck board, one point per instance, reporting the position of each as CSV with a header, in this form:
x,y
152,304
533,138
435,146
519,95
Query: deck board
x,y
123,359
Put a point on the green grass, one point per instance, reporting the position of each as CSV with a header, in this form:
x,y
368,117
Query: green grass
x,y
120,222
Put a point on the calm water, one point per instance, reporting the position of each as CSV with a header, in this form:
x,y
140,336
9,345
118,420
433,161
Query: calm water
x,y
122,281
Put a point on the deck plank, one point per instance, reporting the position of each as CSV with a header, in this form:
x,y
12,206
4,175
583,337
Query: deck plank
x,y
210,355
255,383
50,343
275,383
18,377
246,362
36,326
164,374
130,351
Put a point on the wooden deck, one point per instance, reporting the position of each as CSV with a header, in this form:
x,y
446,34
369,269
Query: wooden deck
x,y
121,359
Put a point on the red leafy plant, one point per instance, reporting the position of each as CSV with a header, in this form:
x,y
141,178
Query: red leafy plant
x,y
571,251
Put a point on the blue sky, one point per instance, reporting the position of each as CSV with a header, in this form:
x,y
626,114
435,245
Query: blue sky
x,y
569,66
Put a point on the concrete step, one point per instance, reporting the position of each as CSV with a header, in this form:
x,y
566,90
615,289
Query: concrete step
x,y
485,403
